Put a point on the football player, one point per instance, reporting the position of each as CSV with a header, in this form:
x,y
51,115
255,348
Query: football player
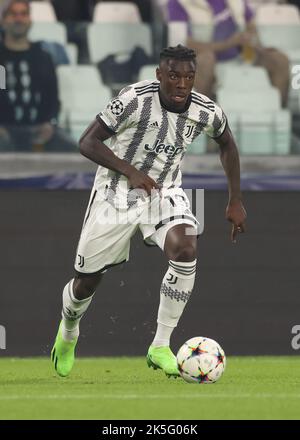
x,y
149,127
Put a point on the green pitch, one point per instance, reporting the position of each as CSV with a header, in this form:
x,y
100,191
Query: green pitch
x,y
125,388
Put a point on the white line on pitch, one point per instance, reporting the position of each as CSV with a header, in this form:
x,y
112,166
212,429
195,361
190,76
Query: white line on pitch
x,y
150,396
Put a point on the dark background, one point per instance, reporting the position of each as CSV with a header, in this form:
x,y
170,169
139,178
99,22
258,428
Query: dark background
x,y
246,296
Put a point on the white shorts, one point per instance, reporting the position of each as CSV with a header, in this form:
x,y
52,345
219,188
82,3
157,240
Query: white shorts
x,y
106,232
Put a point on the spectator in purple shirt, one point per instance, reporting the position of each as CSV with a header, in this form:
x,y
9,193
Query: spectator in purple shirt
x,y
233,31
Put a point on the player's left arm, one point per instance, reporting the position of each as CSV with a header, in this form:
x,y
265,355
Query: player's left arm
x,y
235,211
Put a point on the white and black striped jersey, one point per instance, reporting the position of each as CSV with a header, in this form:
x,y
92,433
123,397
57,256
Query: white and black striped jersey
x,y
151,138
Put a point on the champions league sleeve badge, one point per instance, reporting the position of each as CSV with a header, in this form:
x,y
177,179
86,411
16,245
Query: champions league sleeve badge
x,y
117,107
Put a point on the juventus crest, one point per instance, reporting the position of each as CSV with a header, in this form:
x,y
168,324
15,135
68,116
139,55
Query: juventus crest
x,y
189,130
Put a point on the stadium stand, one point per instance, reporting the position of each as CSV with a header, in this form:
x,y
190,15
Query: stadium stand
x,y
111,12
277,14
279,26
42,11
52,31
147,72
82,96
72,51
257,121
118,39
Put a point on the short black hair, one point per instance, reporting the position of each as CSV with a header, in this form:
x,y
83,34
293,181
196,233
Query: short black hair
x,y
178,52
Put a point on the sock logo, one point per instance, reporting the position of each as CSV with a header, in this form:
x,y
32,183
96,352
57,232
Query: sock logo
x,y
172,279
70,312
81,260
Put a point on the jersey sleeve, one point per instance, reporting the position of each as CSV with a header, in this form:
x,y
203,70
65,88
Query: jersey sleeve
x,y
218,125
120,112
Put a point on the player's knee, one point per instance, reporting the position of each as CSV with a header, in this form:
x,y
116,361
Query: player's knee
x,y
85,286
185,253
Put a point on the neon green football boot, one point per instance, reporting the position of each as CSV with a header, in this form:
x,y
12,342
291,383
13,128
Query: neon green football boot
x,y
62,354
164,359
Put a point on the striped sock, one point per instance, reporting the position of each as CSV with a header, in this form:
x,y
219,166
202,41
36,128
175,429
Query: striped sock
x,y
175,292
72,312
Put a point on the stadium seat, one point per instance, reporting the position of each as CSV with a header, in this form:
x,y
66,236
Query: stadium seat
x,y
72,51
111,12
243,77
148,72
42,11
261,126
177,33
233,99
82,96
255,4
285,38
277,15
54,31
105,39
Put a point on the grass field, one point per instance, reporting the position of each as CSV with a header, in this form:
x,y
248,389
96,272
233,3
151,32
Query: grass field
x,y
125,388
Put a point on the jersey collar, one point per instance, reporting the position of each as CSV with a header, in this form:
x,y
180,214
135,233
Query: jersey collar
x,y
172,110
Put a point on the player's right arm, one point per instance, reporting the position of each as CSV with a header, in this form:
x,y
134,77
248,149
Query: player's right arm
x,y
92,146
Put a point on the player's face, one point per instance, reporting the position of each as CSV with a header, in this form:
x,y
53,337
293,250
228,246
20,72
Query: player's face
x,y
17,20
176,81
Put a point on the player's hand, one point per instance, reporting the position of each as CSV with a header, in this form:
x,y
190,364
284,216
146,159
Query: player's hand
x,y
236,214
138,179
240,39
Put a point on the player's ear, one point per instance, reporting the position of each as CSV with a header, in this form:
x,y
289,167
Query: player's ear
x,y
158,74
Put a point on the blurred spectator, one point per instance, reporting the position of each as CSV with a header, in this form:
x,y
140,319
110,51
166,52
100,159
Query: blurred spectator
x,y
76,14
56,51
29,106
234,37
294,2
74,10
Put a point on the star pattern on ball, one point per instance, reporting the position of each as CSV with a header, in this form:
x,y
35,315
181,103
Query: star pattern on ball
x,y
220,358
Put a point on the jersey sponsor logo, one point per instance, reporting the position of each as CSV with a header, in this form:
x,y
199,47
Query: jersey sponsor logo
x,y
159,147
117,107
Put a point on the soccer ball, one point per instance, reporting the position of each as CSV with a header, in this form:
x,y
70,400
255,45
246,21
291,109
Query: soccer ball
x,y
201,360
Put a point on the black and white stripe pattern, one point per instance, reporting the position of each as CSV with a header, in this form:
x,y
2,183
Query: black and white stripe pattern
x,y
183,270
125,90
162,133
218,124
203,122
149,88
180,125
175,294
197,99
174,217
134,144
177,169
129,110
